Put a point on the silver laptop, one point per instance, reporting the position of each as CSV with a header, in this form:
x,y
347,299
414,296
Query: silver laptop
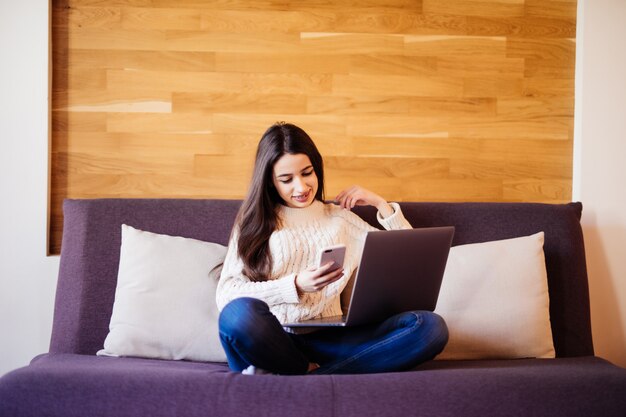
x,y
400,270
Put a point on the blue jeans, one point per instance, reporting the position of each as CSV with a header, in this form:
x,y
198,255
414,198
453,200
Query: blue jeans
x,y
252,335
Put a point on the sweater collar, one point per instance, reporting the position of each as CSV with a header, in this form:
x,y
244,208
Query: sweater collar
x,y
291,216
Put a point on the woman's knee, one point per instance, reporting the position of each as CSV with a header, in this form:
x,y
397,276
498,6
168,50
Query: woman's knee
x,y
240,315
427,327
435,330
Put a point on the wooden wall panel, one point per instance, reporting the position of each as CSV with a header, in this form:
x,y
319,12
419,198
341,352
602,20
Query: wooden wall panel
x,y
460,100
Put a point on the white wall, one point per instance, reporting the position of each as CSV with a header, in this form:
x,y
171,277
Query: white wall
x,y
27,276
600,167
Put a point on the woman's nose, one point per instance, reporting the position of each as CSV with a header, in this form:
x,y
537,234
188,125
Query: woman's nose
x,y
299,184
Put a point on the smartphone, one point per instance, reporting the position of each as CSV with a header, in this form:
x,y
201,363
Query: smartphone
x,y
335,253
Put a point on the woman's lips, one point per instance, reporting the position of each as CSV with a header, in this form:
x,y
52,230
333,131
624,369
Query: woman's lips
x,y
302,197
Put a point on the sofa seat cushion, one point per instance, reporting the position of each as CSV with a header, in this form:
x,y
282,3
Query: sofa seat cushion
x,y
81,385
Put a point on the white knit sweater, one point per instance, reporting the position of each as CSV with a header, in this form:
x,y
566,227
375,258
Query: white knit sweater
x,y
303,232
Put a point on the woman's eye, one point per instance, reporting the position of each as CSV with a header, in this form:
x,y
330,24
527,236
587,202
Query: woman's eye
x,y
285,181
306,174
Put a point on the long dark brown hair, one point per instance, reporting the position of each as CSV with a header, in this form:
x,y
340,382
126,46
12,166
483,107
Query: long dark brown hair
x,y
258,217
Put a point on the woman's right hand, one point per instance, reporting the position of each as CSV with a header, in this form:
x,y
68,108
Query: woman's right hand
x,y
315,278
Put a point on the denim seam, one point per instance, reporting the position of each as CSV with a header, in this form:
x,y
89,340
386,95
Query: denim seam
x,y
233,344
368,350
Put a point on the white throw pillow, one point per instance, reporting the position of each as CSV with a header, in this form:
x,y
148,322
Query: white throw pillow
x,y
494,299
165,298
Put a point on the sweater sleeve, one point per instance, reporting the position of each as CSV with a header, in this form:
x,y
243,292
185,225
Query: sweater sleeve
x,y
234,284
395,221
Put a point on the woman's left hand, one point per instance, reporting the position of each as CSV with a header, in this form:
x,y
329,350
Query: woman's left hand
x,y
359,196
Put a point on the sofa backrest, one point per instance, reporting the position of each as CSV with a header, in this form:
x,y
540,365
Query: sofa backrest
x,y
92,236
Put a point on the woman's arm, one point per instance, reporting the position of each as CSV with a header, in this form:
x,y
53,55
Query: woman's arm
x,y
285,290
234,284
359,196
389,214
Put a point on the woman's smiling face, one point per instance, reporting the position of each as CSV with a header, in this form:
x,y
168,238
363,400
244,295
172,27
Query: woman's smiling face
x,y
295,180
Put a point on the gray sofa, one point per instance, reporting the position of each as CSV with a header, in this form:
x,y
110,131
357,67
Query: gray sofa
x,y
70,380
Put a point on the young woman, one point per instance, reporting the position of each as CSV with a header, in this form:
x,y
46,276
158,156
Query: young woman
x,y
270,277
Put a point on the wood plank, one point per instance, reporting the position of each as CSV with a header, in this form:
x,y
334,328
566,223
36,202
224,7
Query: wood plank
x,y
451,190
496,8
452,107
95,100
352,43
167,18
397,126
180,40
174,81
256,124
329,20
525,27
548,87
136,60
447,107
359,85
535,108
375,64
76,17
511,125
282,63
103,38
556,190
438,24
238,103
63,121
544,151
508,168
184,123
145,144
236,170
288,83
356,5
153,186
543,49
549,68
79,164
486,86
79,78
219,82
492,67
442,45
65,4
388,167
231,42
350,105
549,127
560,9
264,21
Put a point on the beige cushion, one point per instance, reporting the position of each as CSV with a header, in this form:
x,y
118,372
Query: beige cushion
x,y
494,299
165,298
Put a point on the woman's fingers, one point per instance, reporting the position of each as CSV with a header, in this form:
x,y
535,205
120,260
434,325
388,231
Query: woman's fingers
x,y
330,277
324,278
356,196
314,279
344,196
322,270
327,280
